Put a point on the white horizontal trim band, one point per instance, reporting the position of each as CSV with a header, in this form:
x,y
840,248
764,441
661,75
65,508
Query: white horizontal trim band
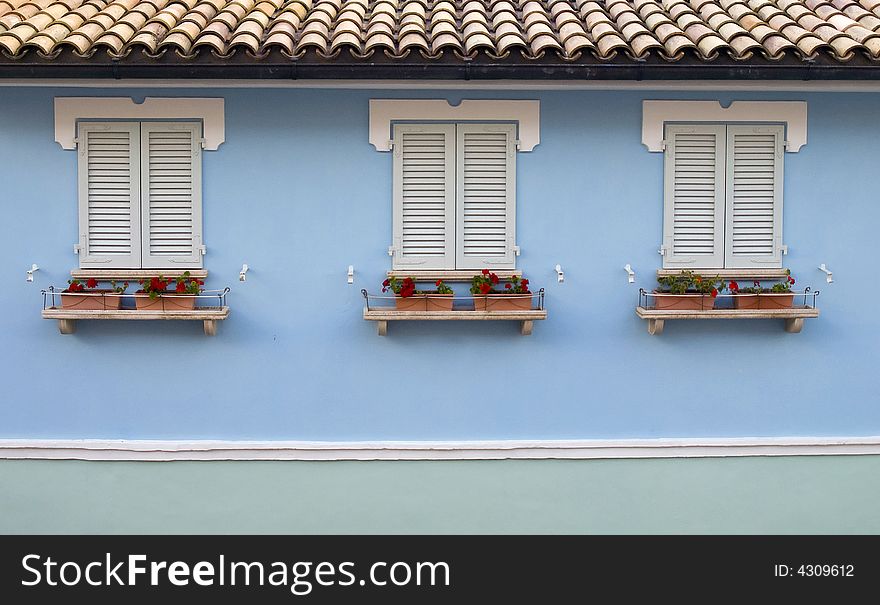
x,y
125,450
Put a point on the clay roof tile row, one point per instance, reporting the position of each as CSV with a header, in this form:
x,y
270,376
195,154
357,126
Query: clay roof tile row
x,y
667,29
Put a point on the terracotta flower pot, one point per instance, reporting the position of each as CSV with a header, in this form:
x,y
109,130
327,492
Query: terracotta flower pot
x,y
89,301
165,302
439,302
415,302
684,302
776,301
503,302
746,301
763,301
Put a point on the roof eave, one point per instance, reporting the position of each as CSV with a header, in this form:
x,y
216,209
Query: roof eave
x,y
462,71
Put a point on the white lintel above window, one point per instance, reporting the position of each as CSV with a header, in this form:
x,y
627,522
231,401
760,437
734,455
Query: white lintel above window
x,y
70,110
656,114
525,113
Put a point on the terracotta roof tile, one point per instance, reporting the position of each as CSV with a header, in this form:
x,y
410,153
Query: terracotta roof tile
x,y
561,29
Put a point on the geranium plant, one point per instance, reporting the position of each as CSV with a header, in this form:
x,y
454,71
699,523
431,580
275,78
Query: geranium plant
x,y
488,298
517,285
783,287
690,282
441,287
403,288
184,284
406,287
75,285
484,283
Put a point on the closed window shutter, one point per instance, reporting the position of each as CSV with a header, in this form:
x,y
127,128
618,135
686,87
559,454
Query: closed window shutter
x,y
486,187
693,215
109,195
171,183
424,206
754,196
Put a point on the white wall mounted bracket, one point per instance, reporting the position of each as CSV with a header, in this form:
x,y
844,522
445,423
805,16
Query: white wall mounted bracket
x,y
630,274
242,276
655,114
351,274
829,277
560,276
34,268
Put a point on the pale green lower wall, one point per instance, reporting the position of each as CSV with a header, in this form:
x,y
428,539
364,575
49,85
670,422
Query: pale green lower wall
x,y
835,494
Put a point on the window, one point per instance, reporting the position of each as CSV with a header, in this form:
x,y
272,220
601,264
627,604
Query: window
x,y
140,199
454,196
723,196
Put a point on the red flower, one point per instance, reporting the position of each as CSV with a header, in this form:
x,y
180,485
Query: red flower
x,y
408,288
484,288
386,283
181,288
485,272
438,282
791,280
757,283
525,282
734,287
714,292
507,286
92,283
493,278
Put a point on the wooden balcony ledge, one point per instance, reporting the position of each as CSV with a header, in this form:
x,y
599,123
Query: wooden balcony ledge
x,y
67,318
794,317
383,316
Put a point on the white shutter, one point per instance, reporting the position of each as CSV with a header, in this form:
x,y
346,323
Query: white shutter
x,y
486,207
171,183
109,195
693,206
754,196
424,188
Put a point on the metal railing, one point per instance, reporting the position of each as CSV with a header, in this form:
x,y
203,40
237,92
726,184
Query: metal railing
x,y
113,300
807,297
536,300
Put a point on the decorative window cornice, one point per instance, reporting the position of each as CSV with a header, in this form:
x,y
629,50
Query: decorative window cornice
x,y
657,113
383,112
68,110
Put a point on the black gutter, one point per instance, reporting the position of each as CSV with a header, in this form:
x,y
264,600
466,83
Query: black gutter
x,y
461,70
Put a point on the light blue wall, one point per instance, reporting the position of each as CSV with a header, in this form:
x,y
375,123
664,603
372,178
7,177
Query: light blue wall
x,y
297,192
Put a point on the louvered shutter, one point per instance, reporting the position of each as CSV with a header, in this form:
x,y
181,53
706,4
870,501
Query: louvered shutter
x,y
109,195
486,190
171,184
754,196
693,215
424,203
